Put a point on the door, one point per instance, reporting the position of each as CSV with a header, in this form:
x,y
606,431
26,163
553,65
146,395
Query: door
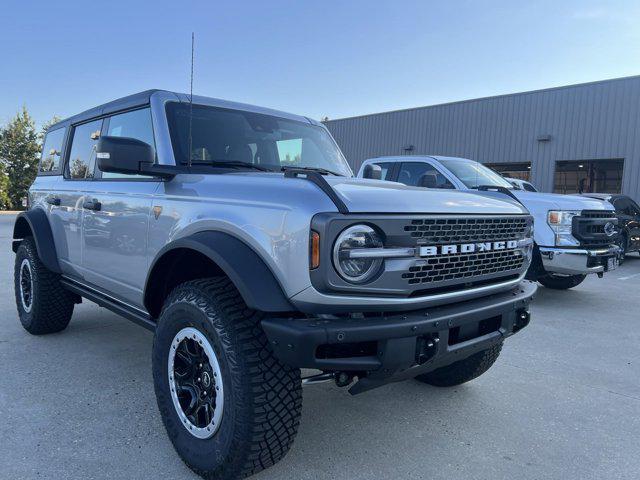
x,y
66,216
116,222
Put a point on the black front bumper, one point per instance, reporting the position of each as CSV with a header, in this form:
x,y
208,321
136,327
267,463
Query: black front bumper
x,y
388,348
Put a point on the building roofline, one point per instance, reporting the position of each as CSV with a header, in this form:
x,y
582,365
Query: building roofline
x,y
490,97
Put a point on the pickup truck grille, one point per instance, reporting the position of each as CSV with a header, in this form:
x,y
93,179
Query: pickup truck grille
x,y
458,268
589,228
460,230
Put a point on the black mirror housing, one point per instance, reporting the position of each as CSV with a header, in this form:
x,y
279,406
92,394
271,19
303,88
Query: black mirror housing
x,y
372,171
428,180
124,155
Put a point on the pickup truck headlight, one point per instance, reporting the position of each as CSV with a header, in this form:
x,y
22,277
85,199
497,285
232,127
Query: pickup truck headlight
x,y
561,222
352,268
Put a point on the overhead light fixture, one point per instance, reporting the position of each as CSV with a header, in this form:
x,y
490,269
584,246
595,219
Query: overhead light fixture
x,y
581,166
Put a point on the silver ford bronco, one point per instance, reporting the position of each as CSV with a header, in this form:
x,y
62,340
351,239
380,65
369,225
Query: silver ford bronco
x,y
241,238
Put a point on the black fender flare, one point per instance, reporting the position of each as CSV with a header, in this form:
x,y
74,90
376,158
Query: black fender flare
x,y
35,223
255,281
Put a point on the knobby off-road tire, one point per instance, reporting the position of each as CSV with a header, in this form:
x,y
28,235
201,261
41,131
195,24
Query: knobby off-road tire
x,y
262,398
464,370
557,282
44,306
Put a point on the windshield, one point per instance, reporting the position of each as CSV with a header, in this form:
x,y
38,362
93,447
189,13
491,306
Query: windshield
x,y
474,174
221,135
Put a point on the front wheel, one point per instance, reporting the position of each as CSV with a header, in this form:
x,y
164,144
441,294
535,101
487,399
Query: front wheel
x,y
623,244
561,282
229,406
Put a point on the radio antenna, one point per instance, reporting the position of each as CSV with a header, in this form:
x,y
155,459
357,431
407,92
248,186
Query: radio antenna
x,y
191,104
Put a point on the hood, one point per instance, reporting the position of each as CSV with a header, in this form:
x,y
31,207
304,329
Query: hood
x,y
376,196
555,201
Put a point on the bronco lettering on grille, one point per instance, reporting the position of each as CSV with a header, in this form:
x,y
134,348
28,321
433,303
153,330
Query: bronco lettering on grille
x,y
430,251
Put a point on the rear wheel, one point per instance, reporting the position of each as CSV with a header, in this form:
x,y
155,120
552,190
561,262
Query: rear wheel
x,y
464,370
229,406
44,306
561,282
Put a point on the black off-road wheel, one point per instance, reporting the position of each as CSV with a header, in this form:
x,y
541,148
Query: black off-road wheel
x,y
229,406
561,282
44,306
464,370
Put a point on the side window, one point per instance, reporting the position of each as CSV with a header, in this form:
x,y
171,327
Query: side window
x,y
51,151
135,124
412,172
82,158
387,168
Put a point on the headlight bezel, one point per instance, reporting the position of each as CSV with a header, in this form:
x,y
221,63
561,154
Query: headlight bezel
x,y
370,238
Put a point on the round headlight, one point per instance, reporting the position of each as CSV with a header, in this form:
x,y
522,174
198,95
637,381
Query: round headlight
x,y
355,269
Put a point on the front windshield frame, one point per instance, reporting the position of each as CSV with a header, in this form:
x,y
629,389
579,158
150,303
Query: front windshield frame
x,y
323,152
484,177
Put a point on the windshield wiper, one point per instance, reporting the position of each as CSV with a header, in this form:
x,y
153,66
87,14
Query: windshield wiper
x,y
234,164
312,169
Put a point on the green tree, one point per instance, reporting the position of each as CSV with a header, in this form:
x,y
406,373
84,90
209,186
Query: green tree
x,y
4,188
19,151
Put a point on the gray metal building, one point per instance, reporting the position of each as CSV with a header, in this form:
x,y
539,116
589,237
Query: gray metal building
x,y
569,139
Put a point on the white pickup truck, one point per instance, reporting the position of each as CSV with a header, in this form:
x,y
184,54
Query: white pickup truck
x,y
574,236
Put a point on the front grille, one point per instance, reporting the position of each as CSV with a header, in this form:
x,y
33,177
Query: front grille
x,y
464,266
433,231
458,268
589,228
597,214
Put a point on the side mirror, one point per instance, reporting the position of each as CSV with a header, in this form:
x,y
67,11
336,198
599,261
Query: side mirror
x,y
372,171
428,180
124,155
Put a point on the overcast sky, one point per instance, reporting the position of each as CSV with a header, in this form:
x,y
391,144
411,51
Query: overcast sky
x,y
315,58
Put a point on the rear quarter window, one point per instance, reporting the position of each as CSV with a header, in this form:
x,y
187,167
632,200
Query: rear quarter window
x,y
52,152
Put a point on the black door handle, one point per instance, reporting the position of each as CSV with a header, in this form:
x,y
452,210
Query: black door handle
x,y
53,201
92,205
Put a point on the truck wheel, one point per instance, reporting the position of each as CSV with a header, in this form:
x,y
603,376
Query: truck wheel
x,y
464,370
623,243
561,282
229,406
44,305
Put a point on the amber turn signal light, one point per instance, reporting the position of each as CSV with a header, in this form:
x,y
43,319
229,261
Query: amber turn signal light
x,y
315,250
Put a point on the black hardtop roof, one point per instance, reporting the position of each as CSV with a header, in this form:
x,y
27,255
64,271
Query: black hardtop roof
x,y
130,101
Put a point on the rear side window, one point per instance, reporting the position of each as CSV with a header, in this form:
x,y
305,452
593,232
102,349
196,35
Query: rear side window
x,y
82,158
52,151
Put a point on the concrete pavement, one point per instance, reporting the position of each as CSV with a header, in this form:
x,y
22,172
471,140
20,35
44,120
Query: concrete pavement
x,y
562,401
